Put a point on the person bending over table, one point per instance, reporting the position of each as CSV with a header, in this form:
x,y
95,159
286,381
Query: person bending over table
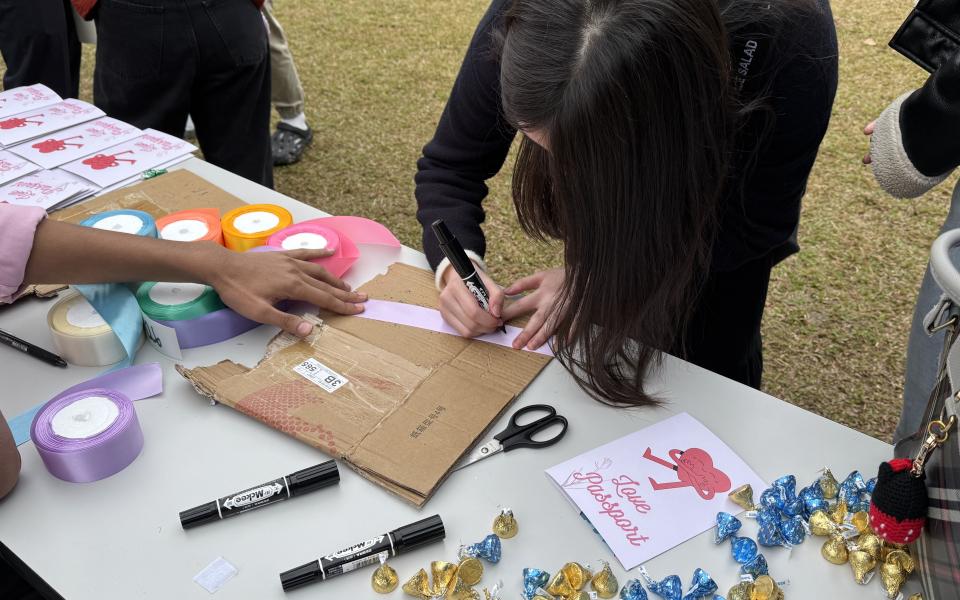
x,y
666,143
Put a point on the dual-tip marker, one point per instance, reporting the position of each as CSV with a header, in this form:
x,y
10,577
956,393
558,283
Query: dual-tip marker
x,y
265,494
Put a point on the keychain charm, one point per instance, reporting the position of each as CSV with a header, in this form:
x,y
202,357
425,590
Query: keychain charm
x,y
898,507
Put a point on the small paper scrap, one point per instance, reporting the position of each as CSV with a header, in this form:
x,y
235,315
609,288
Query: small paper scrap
x,y
214,575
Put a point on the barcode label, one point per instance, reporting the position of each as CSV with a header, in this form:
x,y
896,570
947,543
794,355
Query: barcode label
x,y
318,373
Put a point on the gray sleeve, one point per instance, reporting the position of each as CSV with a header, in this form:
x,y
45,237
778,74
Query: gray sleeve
x,y
891,166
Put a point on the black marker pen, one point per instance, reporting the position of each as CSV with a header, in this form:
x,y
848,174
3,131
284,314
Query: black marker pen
x,y
366,553
451,248
271,492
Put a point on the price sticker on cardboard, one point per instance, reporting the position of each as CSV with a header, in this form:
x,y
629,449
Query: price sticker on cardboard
x,y
321,375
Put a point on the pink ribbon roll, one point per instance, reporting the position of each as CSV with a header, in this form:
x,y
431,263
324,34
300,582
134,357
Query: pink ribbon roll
x,y
340,234
90,431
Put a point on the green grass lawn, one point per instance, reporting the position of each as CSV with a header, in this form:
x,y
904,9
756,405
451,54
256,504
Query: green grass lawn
x,y
377,75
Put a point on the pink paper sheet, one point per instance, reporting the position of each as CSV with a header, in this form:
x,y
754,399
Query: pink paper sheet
x,y
431,320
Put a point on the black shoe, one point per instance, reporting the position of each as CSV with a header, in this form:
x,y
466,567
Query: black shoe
x,y
289,143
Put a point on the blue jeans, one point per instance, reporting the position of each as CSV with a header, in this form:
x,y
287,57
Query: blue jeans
x,y
923,351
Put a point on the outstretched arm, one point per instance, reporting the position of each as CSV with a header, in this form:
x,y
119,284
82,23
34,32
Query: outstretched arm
x,y
250,283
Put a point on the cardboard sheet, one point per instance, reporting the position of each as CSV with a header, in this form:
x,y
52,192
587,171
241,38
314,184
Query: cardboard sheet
x,y
404,404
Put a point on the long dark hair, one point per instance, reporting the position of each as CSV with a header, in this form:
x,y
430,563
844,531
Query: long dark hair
x,y
635,101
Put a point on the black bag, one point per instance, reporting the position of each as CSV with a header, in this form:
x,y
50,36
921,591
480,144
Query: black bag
x,y
938,548
931,33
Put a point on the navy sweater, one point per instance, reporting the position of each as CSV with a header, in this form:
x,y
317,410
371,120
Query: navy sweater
x,y
794,74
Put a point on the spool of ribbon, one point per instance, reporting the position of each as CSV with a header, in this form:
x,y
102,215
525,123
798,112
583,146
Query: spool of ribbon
x,y
196,225
211,328
340,234
250,226
81,336
193,310
90,431
136,222
177,301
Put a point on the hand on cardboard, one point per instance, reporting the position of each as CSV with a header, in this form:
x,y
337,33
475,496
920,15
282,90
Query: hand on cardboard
x,y
462,311
541,301
253,283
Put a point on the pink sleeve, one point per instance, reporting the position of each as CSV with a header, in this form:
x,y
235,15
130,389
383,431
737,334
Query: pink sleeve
x,y
17,227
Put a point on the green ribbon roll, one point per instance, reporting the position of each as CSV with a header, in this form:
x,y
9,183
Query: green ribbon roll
x,y
177,301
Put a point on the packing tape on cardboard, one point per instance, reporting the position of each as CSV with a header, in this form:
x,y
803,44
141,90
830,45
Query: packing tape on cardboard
x,y
81,336
251,225
196,225
90,431
412,315
136,222
162,301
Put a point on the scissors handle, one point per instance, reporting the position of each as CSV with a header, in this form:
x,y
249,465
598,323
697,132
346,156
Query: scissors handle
x,y
521,436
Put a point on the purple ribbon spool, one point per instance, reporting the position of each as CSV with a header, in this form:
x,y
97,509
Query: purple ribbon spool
x,y
82,460
211,328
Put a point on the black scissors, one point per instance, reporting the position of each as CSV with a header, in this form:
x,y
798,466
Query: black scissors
x,y
520,436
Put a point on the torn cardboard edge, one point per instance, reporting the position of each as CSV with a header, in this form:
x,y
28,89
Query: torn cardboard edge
x,y
406,403
160,196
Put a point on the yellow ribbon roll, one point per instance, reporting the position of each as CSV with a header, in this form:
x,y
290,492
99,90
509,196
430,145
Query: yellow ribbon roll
x,y
81,336
250,226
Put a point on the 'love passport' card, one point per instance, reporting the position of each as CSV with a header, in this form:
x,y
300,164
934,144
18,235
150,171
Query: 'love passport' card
x,y
12,167
19,99
47,189
656,488
70,144
45,119
129,159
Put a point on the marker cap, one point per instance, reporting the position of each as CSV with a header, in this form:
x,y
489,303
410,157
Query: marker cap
x,y
301,575
199,515
418,534
314,478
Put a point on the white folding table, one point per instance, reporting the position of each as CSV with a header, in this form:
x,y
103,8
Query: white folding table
x,y
120,538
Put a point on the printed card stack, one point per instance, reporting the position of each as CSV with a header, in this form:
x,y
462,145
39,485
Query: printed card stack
x,y
55,152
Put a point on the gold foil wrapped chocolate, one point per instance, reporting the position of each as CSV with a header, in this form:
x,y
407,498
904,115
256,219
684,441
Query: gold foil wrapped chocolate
x,y
894,571
839,512
576,575
835,550
829,485
581,595
444,576
418,586
384,580
862,565
765,588
462,591
871,544
915,597
861,520
741,591
505,524
821,524
470,571
605,583
559,586
743,497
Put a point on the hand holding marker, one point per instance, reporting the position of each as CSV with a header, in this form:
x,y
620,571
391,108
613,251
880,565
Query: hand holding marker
x,y
464,267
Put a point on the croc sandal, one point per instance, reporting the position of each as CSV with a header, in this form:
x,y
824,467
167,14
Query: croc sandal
x,y
289,143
